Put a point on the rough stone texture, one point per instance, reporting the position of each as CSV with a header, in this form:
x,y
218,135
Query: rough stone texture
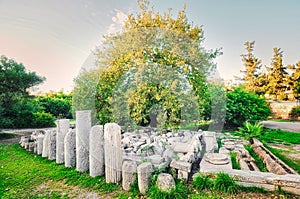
x,y
210,141
97,151
46,143
217,158
144,171
62,129
83,128
40,140
182,147
165,182
282,109
181,165
30,146
273,164
23,140
205,165
129,169
52,146
113,152
269,181
70,148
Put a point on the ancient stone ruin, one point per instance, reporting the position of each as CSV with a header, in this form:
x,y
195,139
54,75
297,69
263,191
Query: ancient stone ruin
x,y
121,156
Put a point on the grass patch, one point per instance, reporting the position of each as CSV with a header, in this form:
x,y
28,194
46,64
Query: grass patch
x,y
286,160
235,164
22,172
259,163
279,136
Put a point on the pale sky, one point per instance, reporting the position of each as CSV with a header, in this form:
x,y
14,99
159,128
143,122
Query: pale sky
x,y
55,37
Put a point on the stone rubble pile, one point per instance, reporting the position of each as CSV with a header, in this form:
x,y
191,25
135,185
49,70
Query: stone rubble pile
x,y
107,151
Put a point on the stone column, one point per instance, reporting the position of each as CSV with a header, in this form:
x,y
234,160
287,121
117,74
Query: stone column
x,y
70,148
129,169
97,151
83,128
144,171
62,129
46,143
52,146
210,141
40,140
113,152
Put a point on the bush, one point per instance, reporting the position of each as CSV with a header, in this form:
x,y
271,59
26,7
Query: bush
x,y
202,182
42,119
295,113
26,113
58,104
225,183
243,106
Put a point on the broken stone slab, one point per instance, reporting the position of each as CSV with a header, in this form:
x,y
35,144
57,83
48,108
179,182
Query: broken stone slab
x,y
180,147
62,129
52,145
269,181
97,151
23,140
183,174
165,182
144,172
181,165
70,148
156,159
129,170
46,143
83,128
189,157
40,140
210,140
113,152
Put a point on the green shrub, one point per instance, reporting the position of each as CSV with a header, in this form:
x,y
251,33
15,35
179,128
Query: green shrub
x,y
225,183
42,119
251,130
243,106
295,113
202,182
58,104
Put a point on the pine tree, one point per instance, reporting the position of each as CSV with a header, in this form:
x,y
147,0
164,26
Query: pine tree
x,y
294,80
277,76
254,80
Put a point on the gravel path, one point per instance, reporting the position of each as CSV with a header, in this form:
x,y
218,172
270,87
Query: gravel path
x,y
287,126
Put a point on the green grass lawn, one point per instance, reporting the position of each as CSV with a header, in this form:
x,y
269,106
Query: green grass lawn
x,y
280,136
22,174
26,175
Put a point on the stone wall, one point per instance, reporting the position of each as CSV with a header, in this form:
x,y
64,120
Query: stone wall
x,y
281,110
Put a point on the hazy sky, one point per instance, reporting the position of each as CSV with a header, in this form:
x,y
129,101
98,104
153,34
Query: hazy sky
x,y
55,37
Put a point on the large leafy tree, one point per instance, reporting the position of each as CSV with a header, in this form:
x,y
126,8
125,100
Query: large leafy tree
x,y
16,109
153,60
15,81
277,76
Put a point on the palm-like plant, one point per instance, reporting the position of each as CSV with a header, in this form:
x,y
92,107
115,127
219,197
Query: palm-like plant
x,y
251,130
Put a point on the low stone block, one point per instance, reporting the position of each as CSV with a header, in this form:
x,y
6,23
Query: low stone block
x,y
181,165
144,171
165,182
129,170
